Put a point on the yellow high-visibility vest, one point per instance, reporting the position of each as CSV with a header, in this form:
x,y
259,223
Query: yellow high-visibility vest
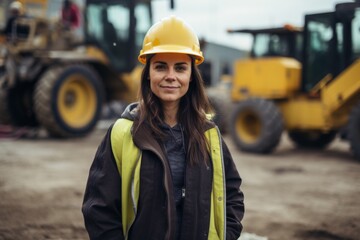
x,y
129,171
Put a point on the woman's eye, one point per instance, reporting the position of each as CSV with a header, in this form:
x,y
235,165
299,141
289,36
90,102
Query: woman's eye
x,y
180,68
159,67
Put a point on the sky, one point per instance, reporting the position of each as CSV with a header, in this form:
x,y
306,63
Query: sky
x,y
211,18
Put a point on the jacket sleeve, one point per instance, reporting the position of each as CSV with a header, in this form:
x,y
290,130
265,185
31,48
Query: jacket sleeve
x,y
234,197
102,200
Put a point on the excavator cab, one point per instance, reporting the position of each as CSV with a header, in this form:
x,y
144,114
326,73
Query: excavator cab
x,y
118,27
283,41
331,44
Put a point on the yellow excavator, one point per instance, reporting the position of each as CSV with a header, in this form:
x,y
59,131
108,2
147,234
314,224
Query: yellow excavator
x,y
305,81
50,80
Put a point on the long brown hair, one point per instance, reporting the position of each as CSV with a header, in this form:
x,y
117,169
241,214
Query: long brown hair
x,y
191,115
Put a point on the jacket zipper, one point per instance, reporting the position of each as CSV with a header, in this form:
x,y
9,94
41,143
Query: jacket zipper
x,y
167,189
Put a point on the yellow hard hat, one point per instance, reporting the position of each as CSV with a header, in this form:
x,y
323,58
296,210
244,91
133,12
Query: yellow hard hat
x,y
16,5
171,35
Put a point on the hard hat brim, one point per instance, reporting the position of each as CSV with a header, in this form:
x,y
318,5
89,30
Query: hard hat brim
x,y
171,49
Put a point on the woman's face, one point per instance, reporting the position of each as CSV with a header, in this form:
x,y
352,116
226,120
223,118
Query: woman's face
x,y
170,76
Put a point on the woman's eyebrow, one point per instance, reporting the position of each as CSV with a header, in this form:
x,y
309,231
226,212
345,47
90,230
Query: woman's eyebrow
x,y
181,63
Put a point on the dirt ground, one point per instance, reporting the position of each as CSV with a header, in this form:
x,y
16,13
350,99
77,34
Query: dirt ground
x,y
289,195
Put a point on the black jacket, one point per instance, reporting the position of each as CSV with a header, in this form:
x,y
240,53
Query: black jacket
x,y
102,200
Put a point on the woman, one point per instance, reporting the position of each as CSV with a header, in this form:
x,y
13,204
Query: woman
x,y
163,170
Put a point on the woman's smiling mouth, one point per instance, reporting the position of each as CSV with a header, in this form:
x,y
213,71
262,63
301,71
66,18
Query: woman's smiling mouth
x,y
170,87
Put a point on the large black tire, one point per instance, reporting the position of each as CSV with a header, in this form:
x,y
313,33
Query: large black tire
x,y
68,100
312,139
354,131
256,125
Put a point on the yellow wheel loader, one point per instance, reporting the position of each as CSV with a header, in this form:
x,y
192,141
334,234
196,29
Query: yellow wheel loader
x,y
49,79
305,81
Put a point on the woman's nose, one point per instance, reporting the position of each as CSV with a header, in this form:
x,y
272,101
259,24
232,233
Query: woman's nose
x,y
171,74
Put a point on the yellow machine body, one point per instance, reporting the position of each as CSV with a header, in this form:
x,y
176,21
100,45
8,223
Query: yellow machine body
x,y
273,78
330,110
342,91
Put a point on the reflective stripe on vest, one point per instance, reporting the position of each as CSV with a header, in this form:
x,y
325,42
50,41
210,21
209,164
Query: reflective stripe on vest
x,y
217,227
128,163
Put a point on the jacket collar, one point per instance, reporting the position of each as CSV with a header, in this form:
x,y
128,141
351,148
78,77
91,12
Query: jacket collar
x,y
144,138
